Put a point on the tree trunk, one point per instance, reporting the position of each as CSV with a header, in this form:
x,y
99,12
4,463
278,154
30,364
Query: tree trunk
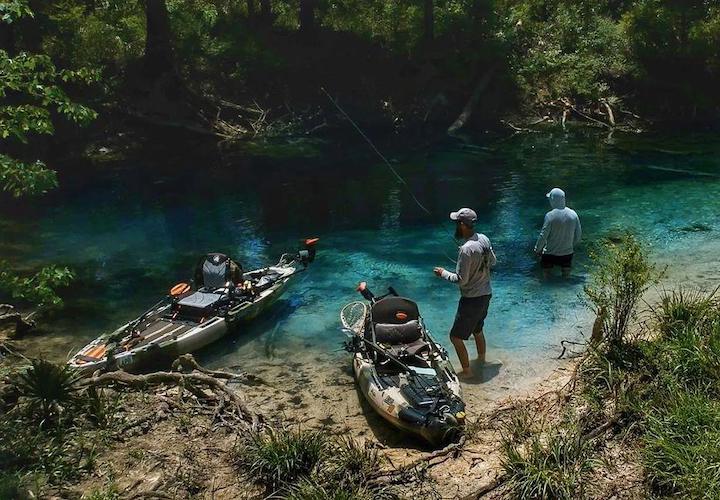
x,y
266,11
251,8
159,57
429,20
467,111
307,16
7,38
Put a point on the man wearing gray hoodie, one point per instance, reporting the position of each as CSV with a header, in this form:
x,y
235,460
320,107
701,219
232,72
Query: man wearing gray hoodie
x,y
560,234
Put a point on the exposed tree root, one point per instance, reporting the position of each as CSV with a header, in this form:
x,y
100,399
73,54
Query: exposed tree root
x,y
190,381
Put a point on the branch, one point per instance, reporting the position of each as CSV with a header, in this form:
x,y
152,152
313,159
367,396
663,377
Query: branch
x,y
174,378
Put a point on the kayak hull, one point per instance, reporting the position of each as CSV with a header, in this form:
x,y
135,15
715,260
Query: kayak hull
x,y
386,398
171,338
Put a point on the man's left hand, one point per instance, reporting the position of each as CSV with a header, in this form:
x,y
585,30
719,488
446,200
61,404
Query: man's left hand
x,y
439,271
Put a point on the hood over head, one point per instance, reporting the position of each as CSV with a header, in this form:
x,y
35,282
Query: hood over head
x,y
556,197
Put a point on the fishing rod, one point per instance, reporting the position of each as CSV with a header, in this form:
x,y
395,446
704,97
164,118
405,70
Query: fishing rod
x,y
387,163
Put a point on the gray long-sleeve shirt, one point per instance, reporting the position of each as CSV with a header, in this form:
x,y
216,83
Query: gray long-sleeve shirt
x,y
561,231
475,258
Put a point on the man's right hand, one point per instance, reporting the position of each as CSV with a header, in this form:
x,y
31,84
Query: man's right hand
x,y
439,271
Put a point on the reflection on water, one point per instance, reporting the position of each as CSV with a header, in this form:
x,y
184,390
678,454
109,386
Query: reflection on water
x,y
132,230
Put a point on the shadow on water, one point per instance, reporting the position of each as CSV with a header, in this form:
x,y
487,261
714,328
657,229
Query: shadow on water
x,y
267,326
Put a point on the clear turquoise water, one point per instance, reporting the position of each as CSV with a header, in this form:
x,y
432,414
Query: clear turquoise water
x,y
132,229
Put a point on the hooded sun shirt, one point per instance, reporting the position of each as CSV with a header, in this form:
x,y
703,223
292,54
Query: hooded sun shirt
x,y
475,258
561,230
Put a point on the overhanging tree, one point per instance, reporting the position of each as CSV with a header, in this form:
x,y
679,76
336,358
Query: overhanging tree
x,y
31,94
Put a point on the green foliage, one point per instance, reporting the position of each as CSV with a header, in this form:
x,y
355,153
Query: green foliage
x,y
280,456
349,464
32,87
682,446
309,465
110,492
668,384
107,36
622,274
688,351
548,466
45,437
48,389
564,49
676,46
12,10
21,179
308,489
39,289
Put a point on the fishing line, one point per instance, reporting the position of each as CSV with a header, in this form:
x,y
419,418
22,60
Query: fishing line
x,y
389,165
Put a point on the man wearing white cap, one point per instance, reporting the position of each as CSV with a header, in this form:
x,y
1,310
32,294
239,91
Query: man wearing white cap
x,y
475,258
559,236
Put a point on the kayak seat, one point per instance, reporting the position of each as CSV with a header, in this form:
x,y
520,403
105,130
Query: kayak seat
x,y
412,349
394,334
394,310
201,300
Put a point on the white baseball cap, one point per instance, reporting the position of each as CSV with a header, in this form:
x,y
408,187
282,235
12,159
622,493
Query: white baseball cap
x,y
464,215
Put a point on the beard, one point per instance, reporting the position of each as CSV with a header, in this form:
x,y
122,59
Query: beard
x,y
458,232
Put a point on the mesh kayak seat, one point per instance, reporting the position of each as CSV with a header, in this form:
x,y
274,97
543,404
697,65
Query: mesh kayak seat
x,y
406,333
201,300
396,321
394,310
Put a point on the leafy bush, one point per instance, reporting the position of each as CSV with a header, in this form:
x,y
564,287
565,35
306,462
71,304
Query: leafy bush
x,y
570,49
621,276
552,466
39,289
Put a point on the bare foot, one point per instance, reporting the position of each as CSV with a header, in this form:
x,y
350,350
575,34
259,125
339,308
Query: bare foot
x,y
465,374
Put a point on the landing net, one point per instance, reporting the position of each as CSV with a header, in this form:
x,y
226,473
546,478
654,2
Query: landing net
x,y
353,315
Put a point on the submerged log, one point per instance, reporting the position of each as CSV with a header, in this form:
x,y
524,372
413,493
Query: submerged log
x,y
472,103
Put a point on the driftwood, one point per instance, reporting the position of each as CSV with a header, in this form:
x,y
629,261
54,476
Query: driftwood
x,y
8,314
191,381
467,111
609,111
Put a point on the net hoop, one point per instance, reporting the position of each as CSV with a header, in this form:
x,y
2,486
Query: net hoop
x,y
352,316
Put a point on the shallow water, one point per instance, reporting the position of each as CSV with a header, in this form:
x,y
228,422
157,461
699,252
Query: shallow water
x,y
132,229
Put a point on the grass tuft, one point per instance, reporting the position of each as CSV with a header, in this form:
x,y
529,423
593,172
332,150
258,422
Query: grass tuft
x,y
682,447
279,456
548,466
